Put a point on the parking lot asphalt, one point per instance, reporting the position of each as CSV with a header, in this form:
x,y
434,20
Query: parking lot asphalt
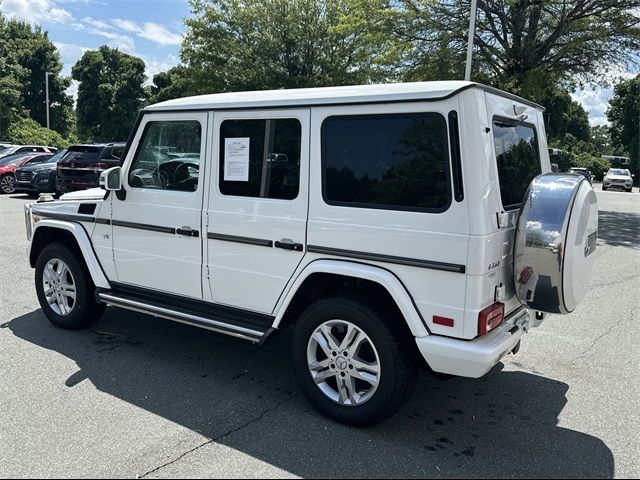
x,y
137,396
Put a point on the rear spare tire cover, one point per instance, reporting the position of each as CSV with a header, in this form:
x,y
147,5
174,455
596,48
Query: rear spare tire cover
x,y
556,237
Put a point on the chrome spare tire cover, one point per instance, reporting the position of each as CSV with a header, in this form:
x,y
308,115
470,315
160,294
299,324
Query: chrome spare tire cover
x,y
556,237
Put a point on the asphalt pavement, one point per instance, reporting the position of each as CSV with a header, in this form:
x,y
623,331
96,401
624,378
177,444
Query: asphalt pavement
x,y
137,396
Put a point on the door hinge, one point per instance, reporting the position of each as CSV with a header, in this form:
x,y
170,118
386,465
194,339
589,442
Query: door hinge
x,y
500,293
503,219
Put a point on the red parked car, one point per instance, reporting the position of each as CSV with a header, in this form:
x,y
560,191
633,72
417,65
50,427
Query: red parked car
x,y
9,164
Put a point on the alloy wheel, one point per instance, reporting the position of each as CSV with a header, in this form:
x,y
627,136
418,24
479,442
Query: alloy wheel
x,y
8,184
344,362
59,287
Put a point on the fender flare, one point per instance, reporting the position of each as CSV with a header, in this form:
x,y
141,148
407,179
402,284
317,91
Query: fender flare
x,y
84,244
357,270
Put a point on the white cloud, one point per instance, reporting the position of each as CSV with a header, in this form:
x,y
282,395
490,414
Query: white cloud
x,y
156,66
595,101
69,55
36,11
153,32
160,34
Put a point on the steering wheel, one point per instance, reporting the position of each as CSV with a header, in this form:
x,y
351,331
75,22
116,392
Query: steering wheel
x,y
181,176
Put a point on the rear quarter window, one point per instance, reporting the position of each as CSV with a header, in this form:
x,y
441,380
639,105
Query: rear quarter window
x,y
393,162
518,159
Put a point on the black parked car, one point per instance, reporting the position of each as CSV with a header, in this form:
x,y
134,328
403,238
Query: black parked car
x,y
82,165
35,178
586,173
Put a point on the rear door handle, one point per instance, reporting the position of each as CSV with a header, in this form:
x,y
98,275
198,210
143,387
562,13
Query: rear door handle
x,y
187,232
287,244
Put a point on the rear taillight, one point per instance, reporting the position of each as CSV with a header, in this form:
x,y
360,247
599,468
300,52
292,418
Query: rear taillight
x,y
490,318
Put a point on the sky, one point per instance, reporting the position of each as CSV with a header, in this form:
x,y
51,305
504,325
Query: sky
x,y
153,30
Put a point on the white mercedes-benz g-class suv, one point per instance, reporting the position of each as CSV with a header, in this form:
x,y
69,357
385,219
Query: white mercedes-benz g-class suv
x,y
393,225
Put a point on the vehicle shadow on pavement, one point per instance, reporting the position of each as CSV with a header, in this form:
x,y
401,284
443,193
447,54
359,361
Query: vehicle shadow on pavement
x,y
619,229
245,397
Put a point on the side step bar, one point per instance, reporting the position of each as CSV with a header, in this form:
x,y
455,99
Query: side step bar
x,y
189,318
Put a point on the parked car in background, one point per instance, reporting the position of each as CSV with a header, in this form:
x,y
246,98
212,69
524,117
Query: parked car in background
x,y
586,173
83,164
618,178
34,178
9,165
6,150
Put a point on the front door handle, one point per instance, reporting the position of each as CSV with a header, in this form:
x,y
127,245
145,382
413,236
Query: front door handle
x,y
287,244
187,232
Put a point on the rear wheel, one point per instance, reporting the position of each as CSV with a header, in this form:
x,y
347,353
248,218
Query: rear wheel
x,y
350,364
8,184
64,288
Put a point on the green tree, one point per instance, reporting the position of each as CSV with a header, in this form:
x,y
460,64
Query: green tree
x,y
110,93
624,115
27,131
30,49
174,83
523,46
565,117
235,45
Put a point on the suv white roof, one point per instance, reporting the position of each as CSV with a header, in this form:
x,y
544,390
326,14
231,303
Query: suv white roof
x,y
391,92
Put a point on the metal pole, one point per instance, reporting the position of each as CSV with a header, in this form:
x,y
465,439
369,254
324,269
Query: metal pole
x,y
46,86
472,34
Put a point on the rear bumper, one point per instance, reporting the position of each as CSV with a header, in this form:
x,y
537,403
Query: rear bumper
x,y
474,358
67,183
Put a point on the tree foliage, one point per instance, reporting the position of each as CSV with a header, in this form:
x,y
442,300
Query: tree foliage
x,y
522,46
236,45
624,115
29,132
26,53
110,93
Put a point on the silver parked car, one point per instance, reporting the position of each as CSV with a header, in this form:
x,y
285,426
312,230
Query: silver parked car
x,y
618,178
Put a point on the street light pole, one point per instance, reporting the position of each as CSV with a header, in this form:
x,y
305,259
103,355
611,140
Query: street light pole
x,y
46,87
472,34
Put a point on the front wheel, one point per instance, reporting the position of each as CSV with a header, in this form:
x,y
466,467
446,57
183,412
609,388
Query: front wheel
x,y
64,288
8,184
350,364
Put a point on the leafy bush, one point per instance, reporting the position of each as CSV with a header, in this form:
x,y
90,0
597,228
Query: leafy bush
x,y
29,132
597,165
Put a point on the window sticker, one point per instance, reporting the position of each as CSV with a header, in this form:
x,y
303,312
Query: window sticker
x,y
236,163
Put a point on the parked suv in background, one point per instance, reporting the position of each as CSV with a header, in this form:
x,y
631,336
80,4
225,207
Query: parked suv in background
x,y
618,178
40,177
8,166
6,150
83,164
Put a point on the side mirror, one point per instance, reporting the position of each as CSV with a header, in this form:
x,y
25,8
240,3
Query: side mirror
x,y
111,180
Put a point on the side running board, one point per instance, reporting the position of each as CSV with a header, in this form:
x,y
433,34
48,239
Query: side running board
x,y
218,320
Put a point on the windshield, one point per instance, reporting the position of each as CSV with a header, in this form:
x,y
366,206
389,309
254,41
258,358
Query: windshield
x,y
9,160
56,157
619,171
39,159
5,149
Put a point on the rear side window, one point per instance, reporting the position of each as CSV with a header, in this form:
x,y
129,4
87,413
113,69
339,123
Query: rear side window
x,y
260,158
518,158
395,162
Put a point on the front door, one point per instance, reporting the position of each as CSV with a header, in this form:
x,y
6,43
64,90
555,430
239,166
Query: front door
x,y
156,226
257,205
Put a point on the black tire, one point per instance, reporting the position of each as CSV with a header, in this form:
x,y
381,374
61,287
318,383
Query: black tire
x,y
7,184
85,310
398,361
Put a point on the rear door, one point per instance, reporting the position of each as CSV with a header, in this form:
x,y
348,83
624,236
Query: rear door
x,y
521,154
257,206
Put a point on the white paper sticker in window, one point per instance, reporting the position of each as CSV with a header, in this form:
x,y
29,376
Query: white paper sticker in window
x,y
236,159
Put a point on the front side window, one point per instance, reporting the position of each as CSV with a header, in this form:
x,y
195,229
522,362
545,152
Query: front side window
x,y
518,160
168,157
260,158
397,161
